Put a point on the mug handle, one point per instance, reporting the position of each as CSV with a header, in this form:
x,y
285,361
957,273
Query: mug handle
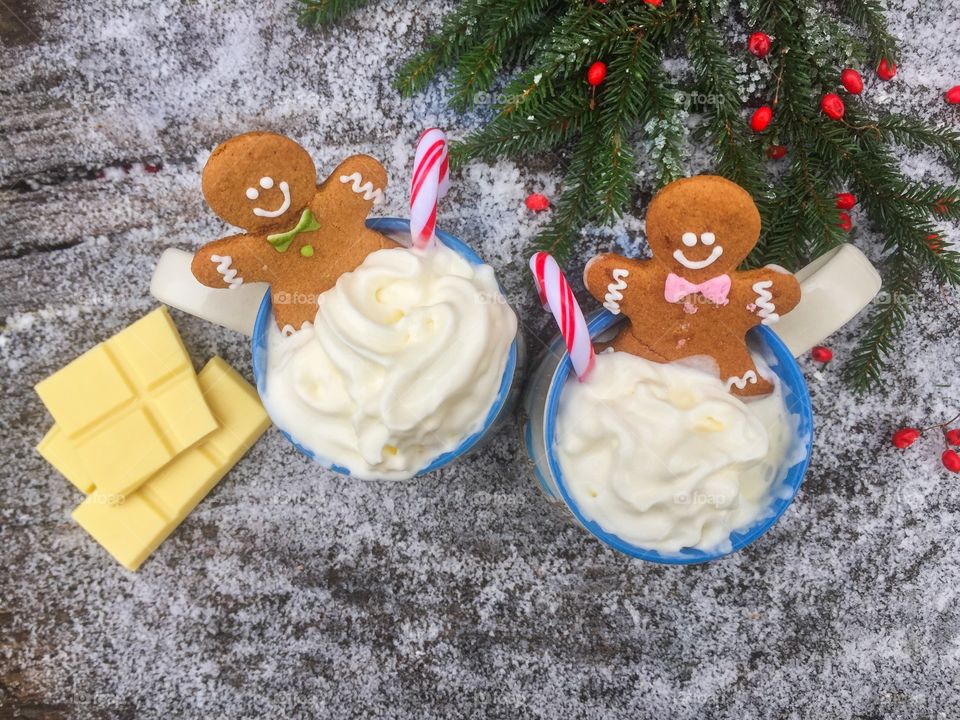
x,y
173,283
834,287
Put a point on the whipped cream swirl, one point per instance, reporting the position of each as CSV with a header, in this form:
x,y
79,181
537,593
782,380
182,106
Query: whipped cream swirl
x,y
403,362
664,457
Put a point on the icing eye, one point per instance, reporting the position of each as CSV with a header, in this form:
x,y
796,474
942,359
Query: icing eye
x,y
253,193
708,238
266,183
689,239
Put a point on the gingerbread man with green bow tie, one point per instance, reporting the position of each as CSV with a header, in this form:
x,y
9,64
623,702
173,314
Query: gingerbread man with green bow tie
x,y
299,236
690,299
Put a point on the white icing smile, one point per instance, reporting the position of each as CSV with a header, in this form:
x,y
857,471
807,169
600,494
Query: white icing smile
x,y
266,183
690,239
697,264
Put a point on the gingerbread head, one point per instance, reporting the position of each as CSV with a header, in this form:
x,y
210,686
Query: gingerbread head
x,y
299,237
690,299
702,227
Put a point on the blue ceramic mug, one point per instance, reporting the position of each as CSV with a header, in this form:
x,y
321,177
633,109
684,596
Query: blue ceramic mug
x,y
835,287
509,384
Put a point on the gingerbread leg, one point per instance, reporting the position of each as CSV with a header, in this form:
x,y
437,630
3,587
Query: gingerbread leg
x,y
376,241
740,374
626,341
292,308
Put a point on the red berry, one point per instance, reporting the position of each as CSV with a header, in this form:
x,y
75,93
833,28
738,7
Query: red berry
x,y
941,206
775,152
596,73
151,168
952,95
761,118
951,460
935,243
759,44
822,354
886,70
905,437
953,436
846,201
537,202
846,222
832,105
655,3
851,81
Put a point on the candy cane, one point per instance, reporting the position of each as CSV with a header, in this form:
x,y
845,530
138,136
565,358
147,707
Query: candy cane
x,y
556,296
430,182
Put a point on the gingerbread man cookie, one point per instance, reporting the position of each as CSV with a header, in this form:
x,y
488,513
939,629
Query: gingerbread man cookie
x,y
300,236
690,299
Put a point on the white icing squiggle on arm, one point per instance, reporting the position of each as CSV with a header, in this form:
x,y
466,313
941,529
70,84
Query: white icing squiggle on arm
x,y
741,382
367,188
611,301
768,311
229,273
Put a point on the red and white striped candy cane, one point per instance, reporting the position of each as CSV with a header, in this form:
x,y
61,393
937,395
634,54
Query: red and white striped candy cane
x,y
556,296
429,184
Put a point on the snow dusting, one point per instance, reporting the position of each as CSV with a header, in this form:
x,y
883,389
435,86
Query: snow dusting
x,y
292,592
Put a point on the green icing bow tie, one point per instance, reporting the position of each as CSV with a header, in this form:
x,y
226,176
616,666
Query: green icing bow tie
x,y
281,241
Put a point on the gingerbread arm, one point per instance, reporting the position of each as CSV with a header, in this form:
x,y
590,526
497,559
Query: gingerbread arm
x,y
606,277
770,292
232,261
349,193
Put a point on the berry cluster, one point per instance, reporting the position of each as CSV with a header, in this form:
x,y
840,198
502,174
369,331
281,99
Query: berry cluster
x,y
907,436
845,201
831,103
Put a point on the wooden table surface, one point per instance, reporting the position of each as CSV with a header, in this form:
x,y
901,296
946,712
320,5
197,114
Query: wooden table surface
x,y
291,592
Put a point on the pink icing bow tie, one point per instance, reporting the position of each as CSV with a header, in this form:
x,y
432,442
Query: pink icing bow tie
x,y
715,289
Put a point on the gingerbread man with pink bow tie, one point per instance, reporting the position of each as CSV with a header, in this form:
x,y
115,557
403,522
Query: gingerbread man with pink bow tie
x,y
690,299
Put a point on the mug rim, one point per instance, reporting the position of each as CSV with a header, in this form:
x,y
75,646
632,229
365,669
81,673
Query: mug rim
x,y
388,225
797,402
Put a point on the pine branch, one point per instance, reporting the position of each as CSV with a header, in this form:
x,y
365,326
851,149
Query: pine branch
x,y
313,13
806,220
457,34
476,69
665,139
802,221
726,133
865,368
917,135
868,14
533,38
547,106
894,204
620,104
508,135
574,207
